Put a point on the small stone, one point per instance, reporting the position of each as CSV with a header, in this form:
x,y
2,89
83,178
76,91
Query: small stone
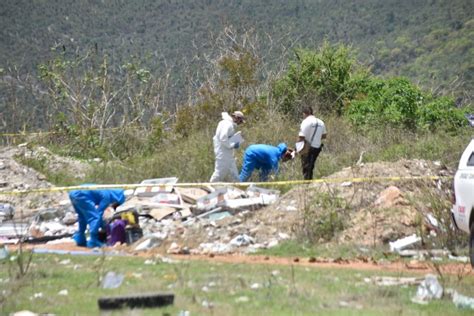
x,y
255,286
242,299
63,292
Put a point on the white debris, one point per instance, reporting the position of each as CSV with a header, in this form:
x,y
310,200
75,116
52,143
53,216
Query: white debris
x,y
112,280
428,290
433,221
242,299
460,259
393,281
242,240
461,301
255,286
207,304
217,247
400,244
63,292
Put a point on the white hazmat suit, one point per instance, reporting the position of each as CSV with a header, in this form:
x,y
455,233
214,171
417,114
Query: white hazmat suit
x,y
224,150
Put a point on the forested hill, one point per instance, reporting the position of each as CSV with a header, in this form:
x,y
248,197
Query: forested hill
x,y
430,41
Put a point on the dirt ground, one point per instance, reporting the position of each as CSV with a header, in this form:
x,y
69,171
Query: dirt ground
x,y
361,263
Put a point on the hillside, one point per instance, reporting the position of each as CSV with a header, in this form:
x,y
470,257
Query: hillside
x,y
430,41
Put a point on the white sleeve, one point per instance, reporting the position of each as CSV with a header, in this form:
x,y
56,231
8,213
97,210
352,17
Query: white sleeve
x,y
301,133
224,132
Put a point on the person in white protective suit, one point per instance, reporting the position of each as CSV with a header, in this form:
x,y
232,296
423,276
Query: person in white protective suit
x,y
224,147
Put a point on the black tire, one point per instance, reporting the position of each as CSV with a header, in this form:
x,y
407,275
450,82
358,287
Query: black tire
x,y
471,245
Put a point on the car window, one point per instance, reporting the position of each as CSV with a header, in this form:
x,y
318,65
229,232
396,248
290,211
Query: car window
x,y
470,161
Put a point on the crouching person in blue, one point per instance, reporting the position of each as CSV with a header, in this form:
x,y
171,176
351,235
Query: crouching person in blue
x,y
264,158
90,206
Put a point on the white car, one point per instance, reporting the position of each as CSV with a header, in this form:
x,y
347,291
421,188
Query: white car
x,y
462,210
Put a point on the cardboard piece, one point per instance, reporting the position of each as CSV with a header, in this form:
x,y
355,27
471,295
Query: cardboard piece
x,y
212,200
162,212
191,195
150,191
166,198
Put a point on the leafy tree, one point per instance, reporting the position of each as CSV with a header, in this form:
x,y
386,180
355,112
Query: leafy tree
x,y
325,79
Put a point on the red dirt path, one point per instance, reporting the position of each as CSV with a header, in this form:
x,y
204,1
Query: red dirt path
x,y
362,263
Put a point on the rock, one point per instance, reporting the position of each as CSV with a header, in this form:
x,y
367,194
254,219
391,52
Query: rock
x,y
70,218
389,197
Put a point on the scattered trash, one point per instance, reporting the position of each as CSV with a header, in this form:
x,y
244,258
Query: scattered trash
x,y
24,313
151,241
463,259
184,313
215,248
393,281
432,220
242,299
4,253
255,286
112,280
207,304
242,240
461,301
219,215
63,293
400,244
428,290
6,211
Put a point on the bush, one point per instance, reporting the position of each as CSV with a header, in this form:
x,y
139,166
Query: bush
x,y
325,79
394,102
441,114
322,218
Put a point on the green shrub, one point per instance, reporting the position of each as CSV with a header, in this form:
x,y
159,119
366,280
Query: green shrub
x,y
441,114
325,79
394,102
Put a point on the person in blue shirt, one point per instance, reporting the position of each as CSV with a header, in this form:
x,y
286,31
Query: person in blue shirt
x,y
264,158
90,206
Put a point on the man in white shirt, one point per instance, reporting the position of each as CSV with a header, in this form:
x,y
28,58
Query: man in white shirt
x,y
224,147
313,131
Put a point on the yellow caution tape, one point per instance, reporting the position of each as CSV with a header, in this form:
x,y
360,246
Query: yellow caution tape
x,y
236,184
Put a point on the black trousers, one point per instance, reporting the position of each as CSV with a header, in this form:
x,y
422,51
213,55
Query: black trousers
x,y
308,161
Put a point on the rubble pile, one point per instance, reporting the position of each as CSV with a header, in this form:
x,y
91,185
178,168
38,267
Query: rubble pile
x,y
14,176
213,219
375,212
200,220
